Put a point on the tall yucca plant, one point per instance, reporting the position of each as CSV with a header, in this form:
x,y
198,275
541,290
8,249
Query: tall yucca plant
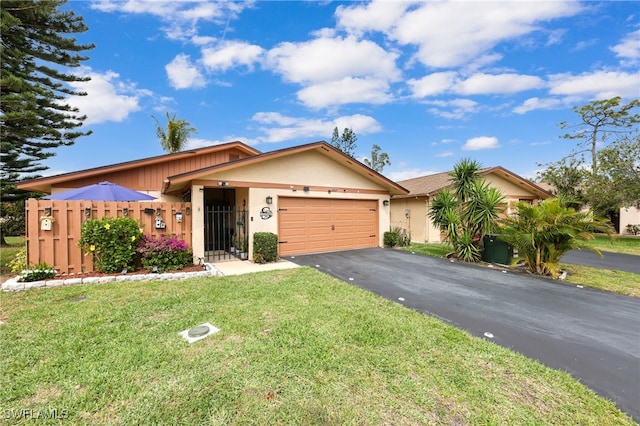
x,y
543,233
467,211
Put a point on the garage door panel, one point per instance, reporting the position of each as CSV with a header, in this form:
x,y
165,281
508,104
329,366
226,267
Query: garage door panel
x,y
308,225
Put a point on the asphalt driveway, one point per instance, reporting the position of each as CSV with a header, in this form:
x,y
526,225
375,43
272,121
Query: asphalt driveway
x,y
591,334
616,261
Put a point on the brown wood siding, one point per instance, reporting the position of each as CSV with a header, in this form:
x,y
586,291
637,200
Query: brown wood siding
x,y
59,247
312,225
151,177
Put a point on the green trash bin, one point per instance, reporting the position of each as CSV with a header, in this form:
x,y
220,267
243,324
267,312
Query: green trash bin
x,y
496,251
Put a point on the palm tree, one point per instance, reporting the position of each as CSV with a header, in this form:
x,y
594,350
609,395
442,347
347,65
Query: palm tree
x,y
467,211
174,137
544,232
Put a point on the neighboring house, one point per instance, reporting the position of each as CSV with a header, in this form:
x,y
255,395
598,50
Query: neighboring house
x,y
626,216
313,196
410,211
629,216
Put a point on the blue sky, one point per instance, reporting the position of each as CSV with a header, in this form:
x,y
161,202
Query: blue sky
x,y
429,82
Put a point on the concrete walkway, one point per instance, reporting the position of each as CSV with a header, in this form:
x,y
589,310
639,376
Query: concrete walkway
x,y
239,267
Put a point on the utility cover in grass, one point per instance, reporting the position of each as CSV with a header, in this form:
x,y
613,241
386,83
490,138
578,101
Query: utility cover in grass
x,y
198,332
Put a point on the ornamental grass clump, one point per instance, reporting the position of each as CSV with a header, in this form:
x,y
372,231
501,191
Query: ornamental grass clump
x,y
112,242
164,253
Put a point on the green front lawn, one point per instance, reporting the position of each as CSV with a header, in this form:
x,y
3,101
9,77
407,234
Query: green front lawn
x,y
621,282
7,253
628,245
295,347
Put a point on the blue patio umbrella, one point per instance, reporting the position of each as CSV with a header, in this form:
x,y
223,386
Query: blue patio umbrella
x,y
103,191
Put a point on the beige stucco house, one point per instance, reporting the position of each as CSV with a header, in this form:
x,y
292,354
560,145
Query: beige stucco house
x,y
410,211
629,216
313,196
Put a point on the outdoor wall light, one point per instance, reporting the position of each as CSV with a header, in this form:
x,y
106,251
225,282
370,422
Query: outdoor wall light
x,y
269,199
385,203
306,189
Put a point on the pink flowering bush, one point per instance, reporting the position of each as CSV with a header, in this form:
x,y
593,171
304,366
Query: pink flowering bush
x,y
165,253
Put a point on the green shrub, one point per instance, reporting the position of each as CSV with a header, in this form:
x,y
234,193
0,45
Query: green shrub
x,y
166,253
19,262
405,237
633,229
265,247
41,271
392,238
112,242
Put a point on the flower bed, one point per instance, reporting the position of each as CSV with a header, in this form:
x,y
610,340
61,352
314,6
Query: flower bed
x,y
101,277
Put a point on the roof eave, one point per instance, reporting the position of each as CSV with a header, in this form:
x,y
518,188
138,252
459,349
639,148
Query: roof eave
x,y
178,182
44,184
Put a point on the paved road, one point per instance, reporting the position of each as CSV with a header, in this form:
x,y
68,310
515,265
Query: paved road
x,y
617,261
593,335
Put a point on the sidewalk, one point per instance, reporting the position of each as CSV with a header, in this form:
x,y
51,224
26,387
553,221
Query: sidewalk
x,y
239,267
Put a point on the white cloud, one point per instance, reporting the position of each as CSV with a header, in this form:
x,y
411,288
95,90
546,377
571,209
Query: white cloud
x,y
472,29
183,74
628,50
540,143
181,18
373,16
108,98
477,84
537,103
278,128
482,84
345,91
332,59
453,109
481,142
231,54
432,84
445,154
598,84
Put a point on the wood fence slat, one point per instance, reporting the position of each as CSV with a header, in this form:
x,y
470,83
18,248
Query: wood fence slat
x,y
59,247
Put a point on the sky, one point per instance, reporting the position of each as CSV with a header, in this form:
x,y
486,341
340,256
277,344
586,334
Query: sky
x,y
430,83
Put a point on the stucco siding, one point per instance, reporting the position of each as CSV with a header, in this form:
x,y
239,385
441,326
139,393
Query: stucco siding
x,y
508,189
308,168
628,216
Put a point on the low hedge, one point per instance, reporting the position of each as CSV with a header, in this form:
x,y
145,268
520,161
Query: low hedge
x,y
265,247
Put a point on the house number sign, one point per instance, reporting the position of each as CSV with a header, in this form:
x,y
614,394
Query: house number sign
x,y
265,213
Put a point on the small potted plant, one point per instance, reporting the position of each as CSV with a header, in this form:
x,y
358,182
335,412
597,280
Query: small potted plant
x,y
242,248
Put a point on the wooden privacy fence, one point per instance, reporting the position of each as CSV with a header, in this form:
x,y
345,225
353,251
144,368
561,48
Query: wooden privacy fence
x,y
59,245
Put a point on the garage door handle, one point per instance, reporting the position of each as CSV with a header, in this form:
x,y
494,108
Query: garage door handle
x,y
333,227
283,242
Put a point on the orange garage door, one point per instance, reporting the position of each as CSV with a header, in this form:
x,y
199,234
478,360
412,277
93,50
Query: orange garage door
x,y
311,225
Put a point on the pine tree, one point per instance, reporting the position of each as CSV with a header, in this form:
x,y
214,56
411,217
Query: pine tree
x,y
345,143
379,160
34,117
